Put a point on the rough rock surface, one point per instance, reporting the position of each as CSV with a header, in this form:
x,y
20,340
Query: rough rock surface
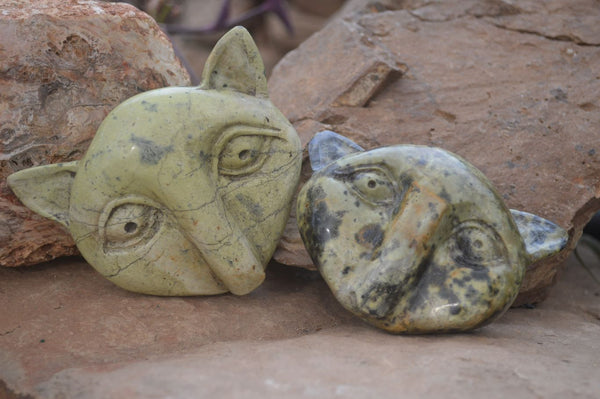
x,y
63,66
268,31
66,332
514,88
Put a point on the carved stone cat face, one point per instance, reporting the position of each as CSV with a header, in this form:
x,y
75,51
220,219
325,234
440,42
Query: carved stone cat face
x,y
183,191
415,239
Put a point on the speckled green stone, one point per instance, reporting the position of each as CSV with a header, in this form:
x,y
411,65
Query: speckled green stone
x,y
184,190
414,239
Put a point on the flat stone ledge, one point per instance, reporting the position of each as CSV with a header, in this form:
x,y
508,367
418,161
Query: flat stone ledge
x,y
67,332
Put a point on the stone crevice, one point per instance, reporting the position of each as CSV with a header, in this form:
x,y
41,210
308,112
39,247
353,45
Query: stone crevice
x,y
559,38
7,332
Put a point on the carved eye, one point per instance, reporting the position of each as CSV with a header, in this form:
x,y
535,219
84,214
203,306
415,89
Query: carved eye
x,y
373,186
477,245
243,154
131,224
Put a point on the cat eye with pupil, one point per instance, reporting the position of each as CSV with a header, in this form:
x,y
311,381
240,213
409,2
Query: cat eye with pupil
x,y
374,186
473,244
243,154
130,224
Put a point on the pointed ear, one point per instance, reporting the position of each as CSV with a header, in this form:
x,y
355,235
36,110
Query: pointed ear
x,y
46,190
235,64
542,237
327,146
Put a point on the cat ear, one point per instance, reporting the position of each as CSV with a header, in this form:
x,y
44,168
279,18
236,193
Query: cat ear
x,y
542,237
327,146
46,190
235,64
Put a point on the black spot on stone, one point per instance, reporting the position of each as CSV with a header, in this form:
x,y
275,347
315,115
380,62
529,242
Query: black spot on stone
x,y
493,289
204,157
436,276
423,281
253,207
460,282
150,107
448,295
321,225
455,309
405,182
357,203
346,270
471,293
150,152
444,195
463,252
536,221
537,236
370,236
480,274
385,295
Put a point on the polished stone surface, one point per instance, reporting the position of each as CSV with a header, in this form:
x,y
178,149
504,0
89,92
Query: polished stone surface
x,y
414,239
184,190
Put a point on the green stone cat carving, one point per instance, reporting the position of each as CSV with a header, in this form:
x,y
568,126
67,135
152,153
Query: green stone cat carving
x,y
414,239
184,190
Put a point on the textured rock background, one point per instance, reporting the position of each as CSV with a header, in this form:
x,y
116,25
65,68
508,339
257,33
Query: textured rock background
x,y
273,41
63,66
513,87
65,332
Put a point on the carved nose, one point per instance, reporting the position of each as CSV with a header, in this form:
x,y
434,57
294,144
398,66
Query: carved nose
x,y
222,243
405,247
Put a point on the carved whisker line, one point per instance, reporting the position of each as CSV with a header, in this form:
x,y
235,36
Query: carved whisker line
x,y
123,268
262,220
